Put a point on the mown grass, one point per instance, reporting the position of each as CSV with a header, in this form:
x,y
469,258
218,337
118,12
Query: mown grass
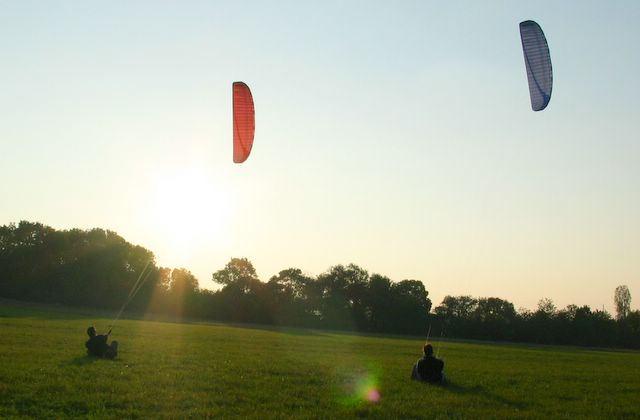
x,y
180,370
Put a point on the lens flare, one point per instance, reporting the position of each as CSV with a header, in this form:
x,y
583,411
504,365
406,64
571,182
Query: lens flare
x,y
373,395
362,387
367,389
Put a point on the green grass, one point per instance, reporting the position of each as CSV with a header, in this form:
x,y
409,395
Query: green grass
x,y
179,370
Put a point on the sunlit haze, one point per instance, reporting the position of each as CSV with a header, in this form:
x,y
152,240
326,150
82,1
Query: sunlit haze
x,y
394,135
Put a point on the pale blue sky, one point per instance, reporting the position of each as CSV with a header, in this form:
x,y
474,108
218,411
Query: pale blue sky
x,y
394,135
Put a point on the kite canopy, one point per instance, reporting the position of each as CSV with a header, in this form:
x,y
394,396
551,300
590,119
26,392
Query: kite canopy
x,y
538,62
244,124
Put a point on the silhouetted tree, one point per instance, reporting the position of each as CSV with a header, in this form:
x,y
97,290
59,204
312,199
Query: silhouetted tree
x,y
457,307
340,296
411,306
290,303
90,268
457,313
238,271
622,299
629,330
495,318
244,297
379,304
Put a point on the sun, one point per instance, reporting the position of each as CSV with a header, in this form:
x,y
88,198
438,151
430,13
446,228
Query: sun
x,y
187,211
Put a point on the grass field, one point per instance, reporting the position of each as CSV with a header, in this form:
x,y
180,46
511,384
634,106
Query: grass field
x,y
180,370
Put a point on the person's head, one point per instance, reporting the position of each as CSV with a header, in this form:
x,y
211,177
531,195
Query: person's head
x,y
91,331
428,350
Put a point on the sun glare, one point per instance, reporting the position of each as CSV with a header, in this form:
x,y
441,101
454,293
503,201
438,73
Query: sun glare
x,y
187,212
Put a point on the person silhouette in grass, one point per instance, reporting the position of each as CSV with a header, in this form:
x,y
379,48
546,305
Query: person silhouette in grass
x,y
428,368
97,345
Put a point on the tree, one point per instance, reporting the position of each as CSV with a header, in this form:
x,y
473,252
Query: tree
x,y
288,298
495,309
457,307
340,294
181,291
291,282
238,272
183,282
630,330
495,318
546,308
411,306
622,299
244,297
379,304
94,267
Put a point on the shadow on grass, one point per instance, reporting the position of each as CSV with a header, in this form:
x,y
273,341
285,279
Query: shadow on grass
x,y
86,360
80,361
479,390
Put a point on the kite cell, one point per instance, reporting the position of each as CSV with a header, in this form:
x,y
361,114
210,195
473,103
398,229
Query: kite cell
x,y
244,123
538,62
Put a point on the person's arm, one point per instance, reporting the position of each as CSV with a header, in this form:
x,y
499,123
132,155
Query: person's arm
x,y
418,370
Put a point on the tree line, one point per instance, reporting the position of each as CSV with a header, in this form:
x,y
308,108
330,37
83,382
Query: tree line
x,y
496,319
97,268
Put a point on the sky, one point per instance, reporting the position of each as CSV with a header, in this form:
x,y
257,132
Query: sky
x,y
396,135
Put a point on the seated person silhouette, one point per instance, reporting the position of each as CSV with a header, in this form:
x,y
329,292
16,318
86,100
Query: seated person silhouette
x,y
428,369
97,345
